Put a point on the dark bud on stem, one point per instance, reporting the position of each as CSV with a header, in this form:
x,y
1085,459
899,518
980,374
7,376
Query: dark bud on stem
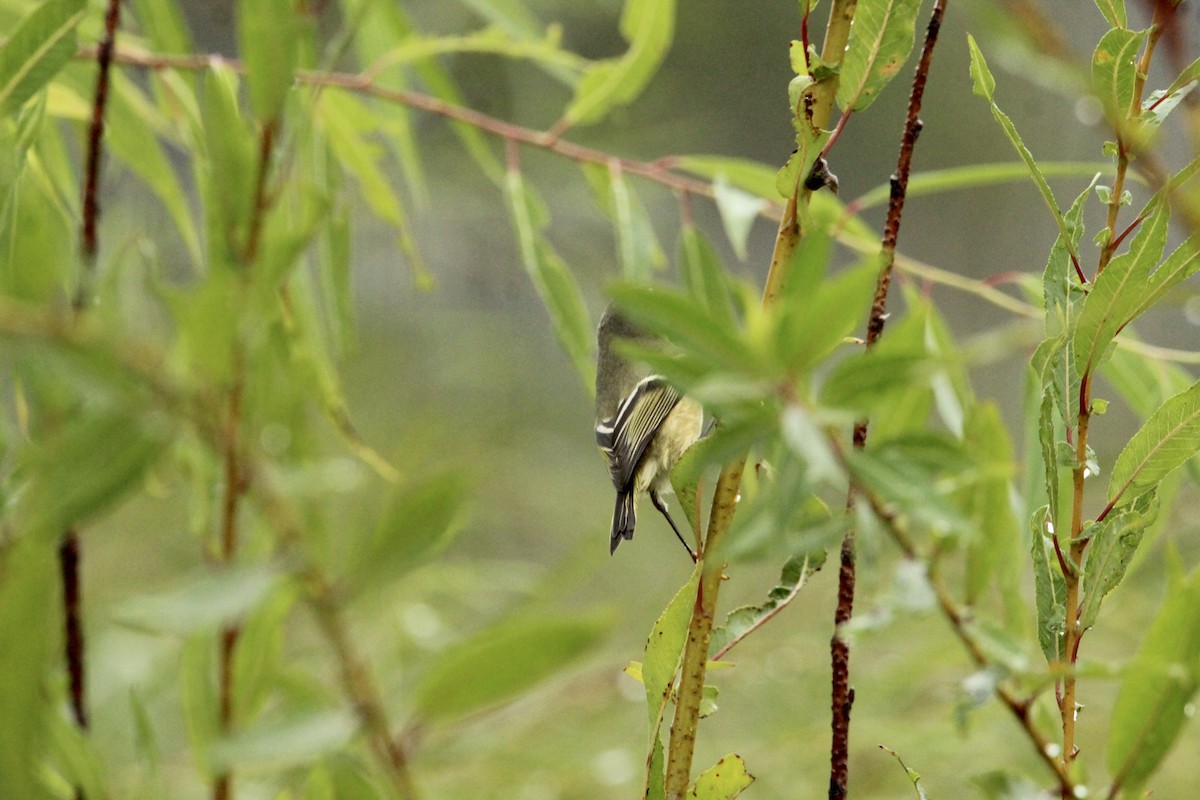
x,y
821,177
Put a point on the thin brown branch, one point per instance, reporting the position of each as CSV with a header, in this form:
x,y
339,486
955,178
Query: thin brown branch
x,y
69,549
841,692
659,172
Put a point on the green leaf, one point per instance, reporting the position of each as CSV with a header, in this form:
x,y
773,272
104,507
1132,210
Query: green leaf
x,y
1050,589
812,326
77,758
1116,291
269,41
880,42
501,662
1179,266
994,548
741,621
655,785
637,244
87,466
1160,682
198,697
1063,298
975,176
553,280
664,647
1169,438
917,476
420,520
1003,785
162,22
703,274
725,780
286,743
683,321
230,152
1114,72
984,85
203,602
1113,11
28,581
910,773
1113,543
738,210
749,176
130,136
648,26
41,45
350,125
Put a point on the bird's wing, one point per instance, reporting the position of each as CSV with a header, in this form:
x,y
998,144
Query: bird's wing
x,y
624,439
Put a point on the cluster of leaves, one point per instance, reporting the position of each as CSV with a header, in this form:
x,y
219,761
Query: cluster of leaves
x,y
204,362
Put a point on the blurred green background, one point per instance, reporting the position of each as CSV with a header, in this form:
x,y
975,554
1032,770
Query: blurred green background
x,y
469,374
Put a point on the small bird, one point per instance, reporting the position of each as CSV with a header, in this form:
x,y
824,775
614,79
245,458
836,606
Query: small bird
x,y
643,426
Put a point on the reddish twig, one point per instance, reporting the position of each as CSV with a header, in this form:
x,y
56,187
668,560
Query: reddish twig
x,y
842,694
69,549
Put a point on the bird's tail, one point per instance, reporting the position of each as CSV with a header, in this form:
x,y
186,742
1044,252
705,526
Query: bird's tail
x,y
624,518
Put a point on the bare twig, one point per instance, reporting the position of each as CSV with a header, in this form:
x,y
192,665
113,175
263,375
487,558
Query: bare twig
x,y
842,694
69,554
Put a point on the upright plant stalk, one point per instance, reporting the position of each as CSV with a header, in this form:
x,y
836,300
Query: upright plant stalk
x,y
695,654
69,554
842,699
236,473
1072,635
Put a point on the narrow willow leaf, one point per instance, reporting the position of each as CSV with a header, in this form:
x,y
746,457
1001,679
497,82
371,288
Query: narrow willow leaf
x,y
1113,544
553,280
1050,590
286,743
1004,785
231,167
41,45
1151,705
975,176
1063,298
1113,11
1047,441
738,211
984,85
86,467
130,137
500,663
1114,72
420,520
741,621
994,549
749,176
204,602
880,42
912,475
1169,438
163,24
724,780
703,275
1178,267
198,697
76,757
269,41
664,648
911,774
637,244
685,480
656,776
1116,290
648,26
28,581
680,319
811,327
